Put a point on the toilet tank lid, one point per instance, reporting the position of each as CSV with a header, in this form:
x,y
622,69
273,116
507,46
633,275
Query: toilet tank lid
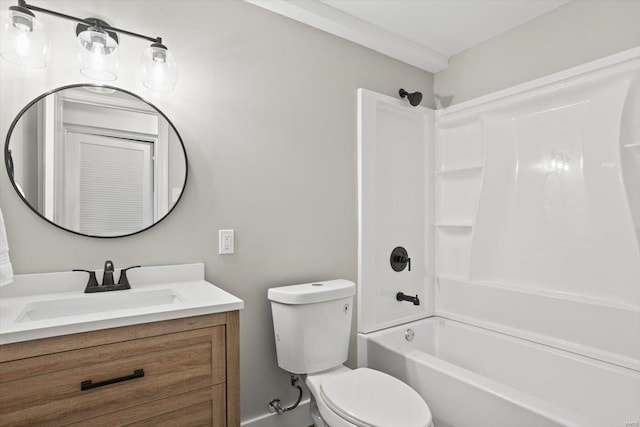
x,y
309,293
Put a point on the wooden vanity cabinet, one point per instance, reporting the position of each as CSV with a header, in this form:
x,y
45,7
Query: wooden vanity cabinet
x,y
182,372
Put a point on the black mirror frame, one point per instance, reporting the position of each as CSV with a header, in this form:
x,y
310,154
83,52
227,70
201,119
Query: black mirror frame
x,y
8,160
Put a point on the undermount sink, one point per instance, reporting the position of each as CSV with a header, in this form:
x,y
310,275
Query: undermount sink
x,y
98,303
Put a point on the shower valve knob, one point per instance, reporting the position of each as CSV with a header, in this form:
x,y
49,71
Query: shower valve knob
x,y
400,259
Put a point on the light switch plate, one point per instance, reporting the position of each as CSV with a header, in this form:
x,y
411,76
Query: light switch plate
x,y
225,242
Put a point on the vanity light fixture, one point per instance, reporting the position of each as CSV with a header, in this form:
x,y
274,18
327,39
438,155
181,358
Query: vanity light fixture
x,y
97,50
23,40
159,69
25,43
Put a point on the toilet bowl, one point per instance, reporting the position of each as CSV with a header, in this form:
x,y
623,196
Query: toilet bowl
x,y
365,397
312,323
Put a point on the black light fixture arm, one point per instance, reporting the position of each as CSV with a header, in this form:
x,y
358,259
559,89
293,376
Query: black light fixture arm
x,y
89,22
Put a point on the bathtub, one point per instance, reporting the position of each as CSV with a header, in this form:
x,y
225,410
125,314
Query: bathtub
x,y
474,377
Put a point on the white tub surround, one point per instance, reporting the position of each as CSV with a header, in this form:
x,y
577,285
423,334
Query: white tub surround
x,y
536,234
395,190
538,237
51,304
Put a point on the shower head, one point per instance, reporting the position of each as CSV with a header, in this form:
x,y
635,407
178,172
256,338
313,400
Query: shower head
x,y
414,98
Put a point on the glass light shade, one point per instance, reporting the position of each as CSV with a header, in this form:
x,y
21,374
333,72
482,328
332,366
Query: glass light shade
x,y
23,40
159,68
98,54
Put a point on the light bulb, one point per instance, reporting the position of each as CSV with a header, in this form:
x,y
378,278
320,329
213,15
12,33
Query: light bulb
x,y
158,75
23,45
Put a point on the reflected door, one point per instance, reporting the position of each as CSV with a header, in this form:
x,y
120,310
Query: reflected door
x,y
108,184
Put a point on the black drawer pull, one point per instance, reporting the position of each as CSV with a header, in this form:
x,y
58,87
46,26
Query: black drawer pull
x,y
87,385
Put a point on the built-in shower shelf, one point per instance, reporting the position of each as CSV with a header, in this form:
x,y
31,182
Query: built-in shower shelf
x,y
454,224
450,171
634,148
454,277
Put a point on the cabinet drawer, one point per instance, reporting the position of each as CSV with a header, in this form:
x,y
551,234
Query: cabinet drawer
x,y
47,389
204,407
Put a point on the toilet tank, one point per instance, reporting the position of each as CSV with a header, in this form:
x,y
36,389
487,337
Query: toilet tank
x,y
312,324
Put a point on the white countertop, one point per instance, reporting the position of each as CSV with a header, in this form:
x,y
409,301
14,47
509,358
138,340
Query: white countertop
x,y
53,304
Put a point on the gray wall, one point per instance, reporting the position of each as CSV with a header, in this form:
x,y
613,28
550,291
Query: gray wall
x,y
267,110
176,165
24,153
575,33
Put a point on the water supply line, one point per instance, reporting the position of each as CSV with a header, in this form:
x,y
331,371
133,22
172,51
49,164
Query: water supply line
x,y
276,406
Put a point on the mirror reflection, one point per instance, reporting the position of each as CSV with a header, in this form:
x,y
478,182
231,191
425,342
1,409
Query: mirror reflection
x,y
96,160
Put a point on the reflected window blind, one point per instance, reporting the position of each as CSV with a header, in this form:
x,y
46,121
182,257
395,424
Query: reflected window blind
x,y
111,190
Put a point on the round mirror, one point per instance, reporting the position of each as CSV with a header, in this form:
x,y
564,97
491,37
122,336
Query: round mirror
x,y
96,160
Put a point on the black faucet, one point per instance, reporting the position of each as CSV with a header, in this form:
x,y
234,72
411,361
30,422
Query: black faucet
x,y
124,280
107,276
400,296
107,280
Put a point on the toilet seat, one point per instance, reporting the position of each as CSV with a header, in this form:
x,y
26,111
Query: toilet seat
x,y
369,398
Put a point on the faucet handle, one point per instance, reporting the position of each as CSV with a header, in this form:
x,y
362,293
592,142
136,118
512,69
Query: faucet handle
x,y
124,280
92,283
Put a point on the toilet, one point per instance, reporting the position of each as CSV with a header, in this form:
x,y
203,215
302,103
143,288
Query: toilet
x,y
312,325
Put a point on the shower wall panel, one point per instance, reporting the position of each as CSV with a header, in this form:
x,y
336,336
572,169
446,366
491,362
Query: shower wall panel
x,y
395,164
538,210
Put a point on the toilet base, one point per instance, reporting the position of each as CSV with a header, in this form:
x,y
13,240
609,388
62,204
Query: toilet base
x,y
315,414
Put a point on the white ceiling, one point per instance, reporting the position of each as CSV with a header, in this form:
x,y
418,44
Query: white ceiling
x,y
423,33
446,26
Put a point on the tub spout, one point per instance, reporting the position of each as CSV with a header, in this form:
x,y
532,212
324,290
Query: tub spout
x,y
400,296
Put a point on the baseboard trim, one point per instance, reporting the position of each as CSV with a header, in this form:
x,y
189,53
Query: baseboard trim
x,y
299,417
